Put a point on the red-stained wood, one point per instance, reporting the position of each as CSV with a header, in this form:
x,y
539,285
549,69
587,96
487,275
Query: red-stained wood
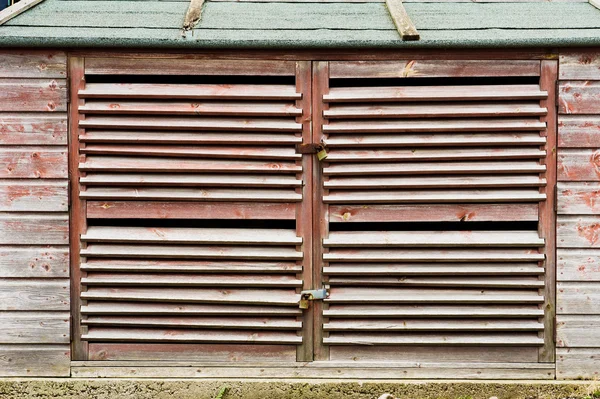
x,y
435,339
183,266
578,198
33,129
33,64
578,232
430,255
157,66
578,265
237,323
435,125
579,64
33,95
579,165
432,69
386,155
168,137
189,210
183,309
34,261
434,213
579,97
374,311
34,229
424,140
579,131
33,162
439,269
435,182
200,180
167,280
34,294
33,196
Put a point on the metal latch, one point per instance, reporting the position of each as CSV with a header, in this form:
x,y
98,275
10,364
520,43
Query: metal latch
x,y
313,148
312,295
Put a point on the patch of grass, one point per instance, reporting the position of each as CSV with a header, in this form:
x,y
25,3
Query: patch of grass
x,y
221,393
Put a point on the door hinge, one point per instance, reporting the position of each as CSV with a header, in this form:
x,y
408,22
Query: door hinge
x,y
313,295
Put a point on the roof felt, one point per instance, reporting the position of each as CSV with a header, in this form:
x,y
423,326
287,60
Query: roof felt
x,y
245,24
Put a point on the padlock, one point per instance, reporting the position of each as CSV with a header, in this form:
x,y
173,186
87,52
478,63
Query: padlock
x,y
303,303
321,155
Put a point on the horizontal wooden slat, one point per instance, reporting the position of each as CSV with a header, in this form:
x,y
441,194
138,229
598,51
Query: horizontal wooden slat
x,y
449,255
33,162
579,165
416,310
237,323
33,195
27,360
181,235
431,69
418,281
168,309
578,298
435,182
577,331
433,212
155,335
386,155
578,131
168,137
184,280
33,95
367,295
212,180
412,239
578,232
33,129
34,294
432,325
435,168
163,91
577,363
34,261
191,252
434,125
434,339
579,97
167,165
256,297
440,269
440,196
34,229
227,152
186,66
150,266
189,210
33,64
191,123
578,265
34,327
578,198
579,65
434,140
211,108
191,194
435,93
433,110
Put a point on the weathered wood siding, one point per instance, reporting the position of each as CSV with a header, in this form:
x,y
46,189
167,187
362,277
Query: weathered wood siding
x,y
34,219
578,224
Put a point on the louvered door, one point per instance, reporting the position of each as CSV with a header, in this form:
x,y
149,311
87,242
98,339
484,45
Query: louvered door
x,y
195,228
434,201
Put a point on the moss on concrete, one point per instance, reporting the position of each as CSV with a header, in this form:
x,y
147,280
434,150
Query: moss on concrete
x,y
296,389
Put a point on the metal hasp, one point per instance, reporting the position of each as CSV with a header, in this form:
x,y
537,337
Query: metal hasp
x,y
312,295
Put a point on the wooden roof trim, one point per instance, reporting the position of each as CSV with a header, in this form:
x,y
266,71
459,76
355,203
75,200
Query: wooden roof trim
x,y
9,13
193,14
595,3
405,27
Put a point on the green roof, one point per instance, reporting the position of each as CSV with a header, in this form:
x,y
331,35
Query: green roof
x,y
295,24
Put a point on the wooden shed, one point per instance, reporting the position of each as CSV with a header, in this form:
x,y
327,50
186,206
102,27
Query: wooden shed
x,y
292,190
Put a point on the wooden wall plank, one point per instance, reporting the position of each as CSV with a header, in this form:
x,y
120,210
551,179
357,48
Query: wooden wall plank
x,y
579,97
34,294
577,363
34,229
33,196
38,327
577,131
577,331
33,95
578,232
578,298
33,64
33,162
578,265
34,262
35,360
578,198
579,165
33,129
580,65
